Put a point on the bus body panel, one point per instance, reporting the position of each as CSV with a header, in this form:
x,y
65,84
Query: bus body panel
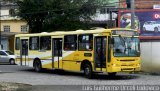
x,y
73,59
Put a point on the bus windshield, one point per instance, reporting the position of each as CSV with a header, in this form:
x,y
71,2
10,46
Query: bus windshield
x,y
126,46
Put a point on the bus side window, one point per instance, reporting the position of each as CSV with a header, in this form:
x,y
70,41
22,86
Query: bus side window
x,y
17,44
70,42
45,43
34,43
85,42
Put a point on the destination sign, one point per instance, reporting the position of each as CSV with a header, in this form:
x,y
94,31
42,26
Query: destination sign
x,y
124,32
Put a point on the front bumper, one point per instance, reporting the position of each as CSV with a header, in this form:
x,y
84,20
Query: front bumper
x,y
130,69
123,69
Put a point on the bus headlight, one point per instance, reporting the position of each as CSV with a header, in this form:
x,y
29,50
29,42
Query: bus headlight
x,y
138,65
114,65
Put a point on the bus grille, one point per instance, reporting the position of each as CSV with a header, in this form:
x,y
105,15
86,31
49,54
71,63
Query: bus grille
x,y
127,60
127,69
127,65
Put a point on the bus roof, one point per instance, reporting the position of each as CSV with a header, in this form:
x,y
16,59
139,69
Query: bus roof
x,y
58,33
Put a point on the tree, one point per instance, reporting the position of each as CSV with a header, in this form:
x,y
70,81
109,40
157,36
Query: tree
x,y
53,15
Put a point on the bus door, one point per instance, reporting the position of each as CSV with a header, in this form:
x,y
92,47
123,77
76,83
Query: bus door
x,y
100,52
56,53
24,52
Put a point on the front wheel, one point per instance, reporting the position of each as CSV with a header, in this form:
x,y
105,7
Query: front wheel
x,y
88,71
37,66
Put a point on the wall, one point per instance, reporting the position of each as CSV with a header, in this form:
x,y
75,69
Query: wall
x,y
15,25
141,4
150,56
146,4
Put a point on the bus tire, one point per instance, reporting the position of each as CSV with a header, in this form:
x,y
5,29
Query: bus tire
x,y
88,71
112,74
37,66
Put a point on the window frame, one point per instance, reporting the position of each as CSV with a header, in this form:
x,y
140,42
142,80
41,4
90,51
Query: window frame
x,y
6,28
23,27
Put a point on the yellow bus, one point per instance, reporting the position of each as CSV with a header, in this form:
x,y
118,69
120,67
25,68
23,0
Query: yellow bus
x,y
90,51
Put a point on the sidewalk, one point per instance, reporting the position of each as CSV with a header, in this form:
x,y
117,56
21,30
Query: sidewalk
x,y
8,86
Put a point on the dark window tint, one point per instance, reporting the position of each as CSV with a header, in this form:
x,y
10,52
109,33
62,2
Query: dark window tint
x,y
17,44
85,42
57,47
45,43
34,43
2,53
24,44
9,52
70,42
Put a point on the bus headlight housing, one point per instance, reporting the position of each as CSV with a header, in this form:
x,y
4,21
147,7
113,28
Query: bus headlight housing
x,y
114,65
138,65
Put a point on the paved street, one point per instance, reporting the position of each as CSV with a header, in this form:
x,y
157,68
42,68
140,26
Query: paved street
x,y
14,73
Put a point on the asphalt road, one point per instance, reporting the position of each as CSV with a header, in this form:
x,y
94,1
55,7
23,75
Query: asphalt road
x,y
69,80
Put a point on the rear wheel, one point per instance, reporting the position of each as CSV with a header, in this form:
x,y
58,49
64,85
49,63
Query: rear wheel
x,y
156,29
88,71
144,29
12,61
37,66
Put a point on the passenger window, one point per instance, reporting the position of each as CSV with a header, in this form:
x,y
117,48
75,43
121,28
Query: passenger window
x,y
70,42
34,43
85,42
17,43
2,53
45,43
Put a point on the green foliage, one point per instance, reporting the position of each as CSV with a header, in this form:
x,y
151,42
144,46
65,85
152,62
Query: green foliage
x,y
53,15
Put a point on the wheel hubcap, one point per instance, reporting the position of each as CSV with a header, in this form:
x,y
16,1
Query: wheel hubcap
x,y
87,70
37,66
12,61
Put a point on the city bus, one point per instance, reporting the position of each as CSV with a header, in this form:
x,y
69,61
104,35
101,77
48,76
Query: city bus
x,y
89,51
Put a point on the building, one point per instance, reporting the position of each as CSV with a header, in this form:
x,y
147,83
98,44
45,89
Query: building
x,y
140,4
106,16
103,17
146,4
10,25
